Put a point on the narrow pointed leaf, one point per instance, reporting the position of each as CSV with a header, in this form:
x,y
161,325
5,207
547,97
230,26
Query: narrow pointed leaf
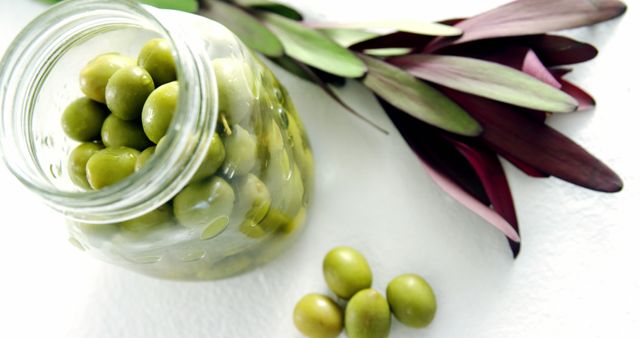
x,y
487,79
271,6
494,181
190,6
528,17
417,99
292,67
409,26
251,31
348,37
387,52
585,101
314,48
536,144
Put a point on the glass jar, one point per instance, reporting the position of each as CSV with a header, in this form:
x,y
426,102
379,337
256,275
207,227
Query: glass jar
x,y
242,216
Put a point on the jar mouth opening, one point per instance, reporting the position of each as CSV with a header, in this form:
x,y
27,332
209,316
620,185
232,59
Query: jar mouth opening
x,y
28,64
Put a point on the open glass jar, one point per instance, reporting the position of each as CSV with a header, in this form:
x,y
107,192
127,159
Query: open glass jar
x,y
167,219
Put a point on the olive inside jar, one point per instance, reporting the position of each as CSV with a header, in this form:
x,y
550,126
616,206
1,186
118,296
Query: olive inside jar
x,y
227,186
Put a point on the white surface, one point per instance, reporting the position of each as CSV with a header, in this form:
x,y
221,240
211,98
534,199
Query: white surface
x,y
576,276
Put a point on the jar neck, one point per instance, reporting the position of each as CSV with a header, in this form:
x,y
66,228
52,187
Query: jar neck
x,y
36,51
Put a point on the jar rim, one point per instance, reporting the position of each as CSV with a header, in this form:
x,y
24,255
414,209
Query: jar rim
x,y
148,188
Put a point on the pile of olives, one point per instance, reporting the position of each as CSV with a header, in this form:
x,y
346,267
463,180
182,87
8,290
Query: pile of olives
x,y
367,314
127,109
255,174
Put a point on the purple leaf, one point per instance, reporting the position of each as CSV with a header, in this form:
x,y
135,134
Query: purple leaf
x,y
449,169
510,132
585,101
554,50
528,17
494,181
527,169
487,79
394,40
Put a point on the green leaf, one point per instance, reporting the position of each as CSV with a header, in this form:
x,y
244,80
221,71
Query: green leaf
x,y
409,26
251,31
314,48
488,79
385,52
348,37
271,6
417,99
180,5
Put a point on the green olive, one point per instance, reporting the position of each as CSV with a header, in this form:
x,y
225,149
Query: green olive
x,y
236,88
241,149
318,316
144,157
95,75
159,109
412,300
346,271
121,133
156,57
255,197
78,163
212,161
367,315
83,118
127,90
111,165
203,203
150,220
284,180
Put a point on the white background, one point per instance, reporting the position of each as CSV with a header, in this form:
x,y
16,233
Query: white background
x,y
577,275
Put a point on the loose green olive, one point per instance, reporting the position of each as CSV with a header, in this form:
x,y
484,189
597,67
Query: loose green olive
x,y
346,271
412,300
95,75
367,315
241,148
111,165
155,56
121,133
150,220
212,161
236,89
158,111
78,163
203,203
144,157
318,316
127,90
83,118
